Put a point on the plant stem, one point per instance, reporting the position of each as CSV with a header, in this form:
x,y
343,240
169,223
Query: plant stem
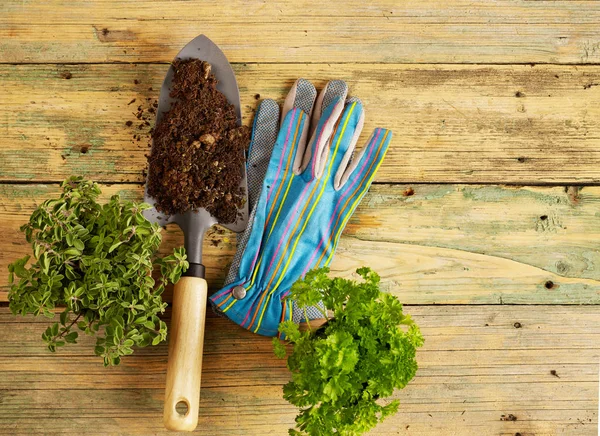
x,y
324,312
67,329
306,318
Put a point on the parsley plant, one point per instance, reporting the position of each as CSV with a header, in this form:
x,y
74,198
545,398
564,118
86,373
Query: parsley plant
x,y
343,370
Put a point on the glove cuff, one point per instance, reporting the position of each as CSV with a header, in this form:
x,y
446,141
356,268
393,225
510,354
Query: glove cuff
x,y
259,312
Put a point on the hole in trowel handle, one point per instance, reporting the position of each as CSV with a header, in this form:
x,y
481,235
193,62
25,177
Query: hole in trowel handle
x,y
182,407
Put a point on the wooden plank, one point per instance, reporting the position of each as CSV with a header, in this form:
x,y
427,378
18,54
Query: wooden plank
x,y
474,368
494,325
444,244
433,31
452,124
481,424
427,11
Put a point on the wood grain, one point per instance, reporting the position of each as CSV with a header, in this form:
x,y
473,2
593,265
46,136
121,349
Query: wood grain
x,y
479,94
475,367
382,31
452,124
442,244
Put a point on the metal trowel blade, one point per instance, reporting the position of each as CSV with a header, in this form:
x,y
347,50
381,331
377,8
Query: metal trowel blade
x,y
194,223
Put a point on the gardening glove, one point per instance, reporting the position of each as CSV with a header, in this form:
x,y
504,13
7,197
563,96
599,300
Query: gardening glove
x,y
301,194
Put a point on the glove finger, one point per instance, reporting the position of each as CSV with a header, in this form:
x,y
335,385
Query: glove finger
x,y
264,135
265,130
328,107
346,135
302,96
354,183
333,89
313,312
362,168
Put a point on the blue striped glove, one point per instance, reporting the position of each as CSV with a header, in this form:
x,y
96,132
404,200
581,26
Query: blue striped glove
x,y
301,195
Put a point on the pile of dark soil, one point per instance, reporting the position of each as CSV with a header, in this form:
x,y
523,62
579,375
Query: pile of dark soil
x,y
198,149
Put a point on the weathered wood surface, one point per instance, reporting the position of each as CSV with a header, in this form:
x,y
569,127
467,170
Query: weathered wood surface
x,y
452,124
440,225
431,31
446,244
475,367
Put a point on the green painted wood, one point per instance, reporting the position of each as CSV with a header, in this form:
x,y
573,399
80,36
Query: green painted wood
x,y
432,244
472,124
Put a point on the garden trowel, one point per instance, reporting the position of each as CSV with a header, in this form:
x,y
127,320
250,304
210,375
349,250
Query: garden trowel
x,y
186,334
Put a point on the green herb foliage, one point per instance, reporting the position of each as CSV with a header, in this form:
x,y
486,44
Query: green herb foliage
x,y
342,371
97,261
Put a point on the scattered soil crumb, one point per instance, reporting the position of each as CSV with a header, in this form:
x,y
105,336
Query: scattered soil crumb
x,y
131,102
66,75
517,325
84,149
509,417
519,94
409,192
136,82
145,113
198,149
256,96
554,373
105,31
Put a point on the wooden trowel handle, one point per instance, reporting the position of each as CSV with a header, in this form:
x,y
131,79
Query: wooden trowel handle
x,y
186,341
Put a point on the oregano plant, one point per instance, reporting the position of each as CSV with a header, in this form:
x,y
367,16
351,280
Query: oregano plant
x,y
94,264
343,371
